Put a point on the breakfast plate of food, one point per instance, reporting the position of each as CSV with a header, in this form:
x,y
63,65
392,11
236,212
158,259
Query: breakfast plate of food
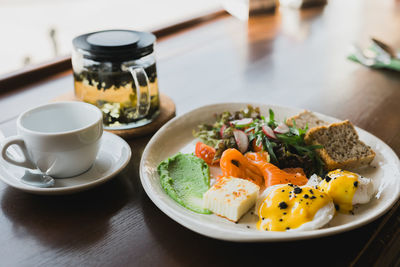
x,y
256,172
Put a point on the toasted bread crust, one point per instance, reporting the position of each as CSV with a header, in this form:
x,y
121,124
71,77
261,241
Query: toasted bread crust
x,y
312,138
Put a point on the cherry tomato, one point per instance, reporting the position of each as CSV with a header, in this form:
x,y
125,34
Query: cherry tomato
x,y
205,152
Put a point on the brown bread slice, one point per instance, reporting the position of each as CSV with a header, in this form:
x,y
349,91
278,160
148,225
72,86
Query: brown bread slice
x,y
305,117
342,147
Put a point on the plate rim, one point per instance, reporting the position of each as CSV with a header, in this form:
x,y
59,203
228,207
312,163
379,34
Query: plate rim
x,y
176,215
75,188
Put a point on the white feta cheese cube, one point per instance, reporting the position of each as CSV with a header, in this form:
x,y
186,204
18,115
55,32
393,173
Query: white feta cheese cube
x,y
231,197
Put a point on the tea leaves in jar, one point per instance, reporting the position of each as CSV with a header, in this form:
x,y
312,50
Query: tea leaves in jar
x,y
116,71
115,93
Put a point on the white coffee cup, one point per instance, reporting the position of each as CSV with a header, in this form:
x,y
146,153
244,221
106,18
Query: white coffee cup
x,y
61,139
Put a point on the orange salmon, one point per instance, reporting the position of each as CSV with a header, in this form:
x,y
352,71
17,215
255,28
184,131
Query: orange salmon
x,y
233,163
273,175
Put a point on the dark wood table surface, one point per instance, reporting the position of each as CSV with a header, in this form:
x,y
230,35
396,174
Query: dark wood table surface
x,y
292,58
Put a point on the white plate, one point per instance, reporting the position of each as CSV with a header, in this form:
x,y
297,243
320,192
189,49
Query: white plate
x,y
176,136
113,156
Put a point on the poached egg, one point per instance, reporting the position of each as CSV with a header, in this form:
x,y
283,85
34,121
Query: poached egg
x,y
347,189
287,207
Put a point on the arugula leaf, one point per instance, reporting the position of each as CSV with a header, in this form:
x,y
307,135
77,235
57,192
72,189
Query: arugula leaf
x,y
316,147
270,149
272,123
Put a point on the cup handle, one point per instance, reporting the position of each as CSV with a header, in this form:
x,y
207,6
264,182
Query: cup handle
x,y
142,92
17,140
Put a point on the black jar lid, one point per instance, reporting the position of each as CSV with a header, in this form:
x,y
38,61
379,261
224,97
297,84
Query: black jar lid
x,y
115,45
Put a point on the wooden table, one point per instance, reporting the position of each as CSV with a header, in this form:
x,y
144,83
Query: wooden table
x,y
288,58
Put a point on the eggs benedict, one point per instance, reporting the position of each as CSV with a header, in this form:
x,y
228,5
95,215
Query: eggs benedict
x,y
288,207
346,189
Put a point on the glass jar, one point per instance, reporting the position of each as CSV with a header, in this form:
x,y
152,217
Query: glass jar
x,y
116,71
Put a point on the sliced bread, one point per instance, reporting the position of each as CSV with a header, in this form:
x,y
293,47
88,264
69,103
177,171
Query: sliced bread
x,y
342,147
305,118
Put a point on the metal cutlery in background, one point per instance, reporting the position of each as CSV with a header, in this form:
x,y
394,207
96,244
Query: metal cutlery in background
x,y
376,54
363,57
388,49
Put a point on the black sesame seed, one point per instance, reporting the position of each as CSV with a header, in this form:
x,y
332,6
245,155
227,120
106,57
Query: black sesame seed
x,y
313,197
321,196
306,196
327,178
312,192
247,226
352,212
297,190
283,190
287,228
283,205
280,220
263,218
355,183
306,203
290,185
284,213
336,206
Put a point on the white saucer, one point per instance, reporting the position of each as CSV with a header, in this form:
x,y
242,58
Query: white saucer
x,y
113,156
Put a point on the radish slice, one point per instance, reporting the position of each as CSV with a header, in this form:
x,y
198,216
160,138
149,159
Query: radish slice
x,y
282,128
242,123
241,140
268,131
221,132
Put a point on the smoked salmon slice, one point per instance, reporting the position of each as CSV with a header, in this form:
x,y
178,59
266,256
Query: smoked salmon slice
x,y
273,175
233,163
299,171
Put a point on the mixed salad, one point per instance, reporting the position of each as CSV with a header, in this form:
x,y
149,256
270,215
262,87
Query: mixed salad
x,y
248,131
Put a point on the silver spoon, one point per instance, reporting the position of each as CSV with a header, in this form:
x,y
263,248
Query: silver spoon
x,y
37,179
32,178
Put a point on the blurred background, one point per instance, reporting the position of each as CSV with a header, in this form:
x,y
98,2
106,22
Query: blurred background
x,y
36,31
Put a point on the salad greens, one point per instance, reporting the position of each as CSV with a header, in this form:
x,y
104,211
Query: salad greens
x,y
286,147
220,134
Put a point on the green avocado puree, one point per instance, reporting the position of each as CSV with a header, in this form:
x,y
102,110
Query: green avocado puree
x,y
185,178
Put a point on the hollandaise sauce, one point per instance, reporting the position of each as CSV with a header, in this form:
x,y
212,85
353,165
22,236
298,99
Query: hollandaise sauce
x,y
340,185
288,207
